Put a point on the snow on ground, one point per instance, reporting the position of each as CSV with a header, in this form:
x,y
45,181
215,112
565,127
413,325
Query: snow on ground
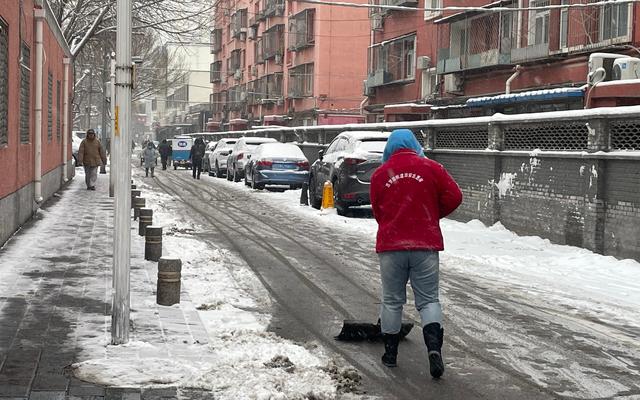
x,y
236,309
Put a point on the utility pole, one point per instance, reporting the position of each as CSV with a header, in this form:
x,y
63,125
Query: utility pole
x,y
89,105
122,152
112,104
103,123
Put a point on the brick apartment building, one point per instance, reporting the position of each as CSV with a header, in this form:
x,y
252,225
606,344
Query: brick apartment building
x,y
279,62
460,55
35,147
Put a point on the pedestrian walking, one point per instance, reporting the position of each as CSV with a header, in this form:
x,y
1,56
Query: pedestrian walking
x,y
150,155
91,155
409,195
165,152
195,155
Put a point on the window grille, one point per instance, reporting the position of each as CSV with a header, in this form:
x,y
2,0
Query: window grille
x,y
462,137
25,93
625,134
50,107
58,112
556,136
4,84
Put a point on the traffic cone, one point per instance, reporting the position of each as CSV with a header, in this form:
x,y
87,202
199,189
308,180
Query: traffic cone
x,y
327,196
304,196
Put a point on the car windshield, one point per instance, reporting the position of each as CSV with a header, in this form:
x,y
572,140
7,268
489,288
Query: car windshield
x,y
371,145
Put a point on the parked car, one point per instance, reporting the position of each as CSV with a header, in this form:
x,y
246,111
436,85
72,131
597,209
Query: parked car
x,y
206,166
218,157
348,164
240,154
76,139
277,164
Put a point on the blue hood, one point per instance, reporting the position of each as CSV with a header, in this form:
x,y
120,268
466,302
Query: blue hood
x,y
401,139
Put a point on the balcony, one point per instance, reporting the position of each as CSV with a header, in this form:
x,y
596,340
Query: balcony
x,y
258,51
255,20
273,8
216,41
215,72
301,81
238,24
273,42
301,30
392,62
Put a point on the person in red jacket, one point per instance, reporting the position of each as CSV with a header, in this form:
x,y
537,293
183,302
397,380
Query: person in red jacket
x,y
409,196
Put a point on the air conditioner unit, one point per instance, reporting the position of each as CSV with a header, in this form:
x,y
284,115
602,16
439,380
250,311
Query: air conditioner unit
x,y
279,101
243,96
254,70
266,101
453,83
423,62
278,59
368,90
242,36
604,61
377,22
237,75
253,32
626,68
226,12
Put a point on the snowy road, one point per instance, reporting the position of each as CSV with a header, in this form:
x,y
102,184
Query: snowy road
x,y
512,331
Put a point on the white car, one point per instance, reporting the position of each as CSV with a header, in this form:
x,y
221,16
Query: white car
x,y
206,165
241,153
76,139
218,157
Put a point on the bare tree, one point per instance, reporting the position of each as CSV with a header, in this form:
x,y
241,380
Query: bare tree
x,y
178,20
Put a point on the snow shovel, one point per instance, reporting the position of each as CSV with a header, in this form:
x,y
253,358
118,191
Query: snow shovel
x,y
357,331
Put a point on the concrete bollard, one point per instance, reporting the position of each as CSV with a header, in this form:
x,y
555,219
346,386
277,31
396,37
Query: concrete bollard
x,y
152,243
168,290
134,194
138,203
304,196
146,219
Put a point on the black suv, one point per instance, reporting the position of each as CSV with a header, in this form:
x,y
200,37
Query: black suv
x,y
348,164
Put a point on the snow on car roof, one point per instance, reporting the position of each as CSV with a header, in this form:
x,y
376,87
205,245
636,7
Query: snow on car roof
x,y
280,150
360,135
257,140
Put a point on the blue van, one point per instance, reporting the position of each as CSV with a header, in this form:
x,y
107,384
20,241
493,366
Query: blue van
x,y
181,148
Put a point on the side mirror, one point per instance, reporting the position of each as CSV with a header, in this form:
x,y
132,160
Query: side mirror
x,y
320,154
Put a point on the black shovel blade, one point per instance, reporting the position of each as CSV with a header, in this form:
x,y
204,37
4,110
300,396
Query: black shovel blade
x,y
357,331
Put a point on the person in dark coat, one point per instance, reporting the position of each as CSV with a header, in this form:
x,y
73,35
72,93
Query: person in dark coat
x,y
409,195
195,155
165,152
91,155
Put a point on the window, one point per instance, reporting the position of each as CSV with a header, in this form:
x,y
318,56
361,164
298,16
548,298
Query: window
x,y
25,93
301,81
539,23
50,107
215,70
301,29
393,60
430,14
58,112
429,80
564,25
273,42
4,84
458,39
614,21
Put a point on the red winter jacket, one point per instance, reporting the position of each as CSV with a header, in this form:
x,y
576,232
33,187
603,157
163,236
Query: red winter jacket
x,y
409,195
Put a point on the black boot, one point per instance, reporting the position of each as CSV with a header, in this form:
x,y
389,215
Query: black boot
x,y
433,335
390,356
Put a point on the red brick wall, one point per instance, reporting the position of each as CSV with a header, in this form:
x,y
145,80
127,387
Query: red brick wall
x,y
17,159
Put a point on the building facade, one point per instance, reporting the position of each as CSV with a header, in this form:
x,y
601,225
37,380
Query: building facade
x,y
540,45
35,92
283,62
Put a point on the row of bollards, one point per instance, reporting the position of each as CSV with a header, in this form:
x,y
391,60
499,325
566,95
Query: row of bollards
x,y
169,269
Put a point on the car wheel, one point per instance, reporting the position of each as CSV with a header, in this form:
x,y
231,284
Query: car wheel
x,y
313,198
254,184
341,208
218,173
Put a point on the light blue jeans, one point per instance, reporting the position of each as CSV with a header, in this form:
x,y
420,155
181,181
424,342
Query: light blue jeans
x,y
422,269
